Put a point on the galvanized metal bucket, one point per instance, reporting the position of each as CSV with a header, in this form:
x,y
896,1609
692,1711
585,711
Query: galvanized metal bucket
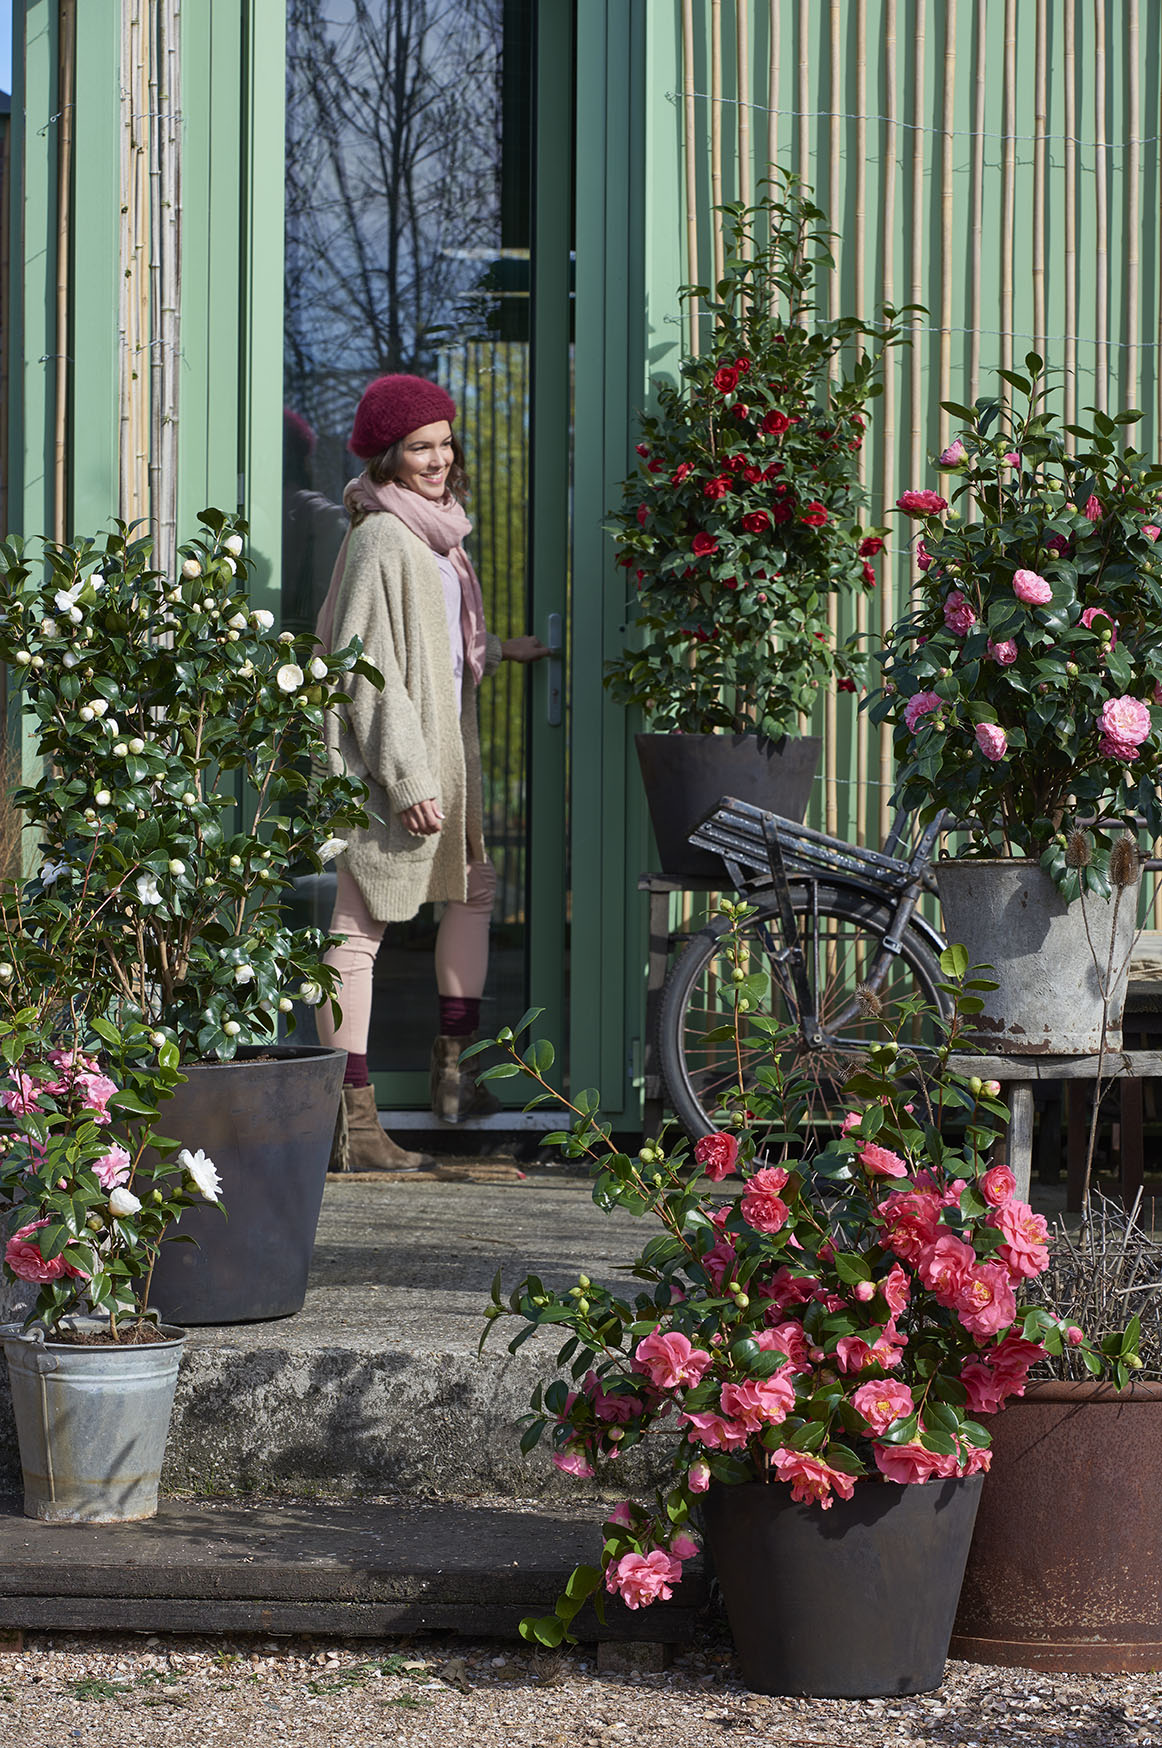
x,y
1053,961
92,1422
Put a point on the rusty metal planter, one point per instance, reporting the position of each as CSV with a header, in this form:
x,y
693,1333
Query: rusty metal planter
x,y
1064,1568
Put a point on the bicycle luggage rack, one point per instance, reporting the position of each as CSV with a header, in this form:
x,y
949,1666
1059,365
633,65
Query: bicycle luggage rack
x,y
743,834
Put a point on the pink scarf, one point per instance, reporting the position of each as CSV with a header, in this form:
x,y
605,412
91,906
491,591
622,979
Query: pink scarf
x,y
441,526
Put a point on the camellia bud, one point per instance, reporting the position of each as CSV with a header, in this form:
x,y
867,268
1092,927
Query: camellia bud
x,y
157,1039
189,798
177,867
231,1028
102,798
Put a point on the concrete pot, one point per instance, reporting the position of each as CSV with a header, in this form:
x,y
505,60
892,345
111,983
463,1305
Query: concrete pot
x,y
1049,958
846,1603
1063,1571
266,1120
686,775
92,1422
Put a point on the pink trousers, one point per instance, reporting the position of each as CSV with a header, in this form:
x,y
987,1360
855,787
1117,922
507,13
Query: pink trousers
x,y
461,954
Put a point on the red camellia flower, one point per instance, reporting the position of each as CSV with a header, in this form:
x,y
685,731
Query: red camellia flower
x,y
921,503
815,515
869,575
643,511
845,686
773,471
680,472
726,379
643,451
776,423
703,545
717,1155
870,545
717,487
742,365
741,410
756,521
736,463
656,466
783,512
753,475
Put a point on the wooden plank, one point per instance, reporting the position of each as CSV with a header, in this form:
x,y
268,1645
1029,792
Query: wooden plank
x,y
1138,1064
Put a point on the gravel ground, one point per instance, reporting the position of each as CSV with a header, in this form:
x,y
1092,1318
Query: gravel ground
x,y
131,1692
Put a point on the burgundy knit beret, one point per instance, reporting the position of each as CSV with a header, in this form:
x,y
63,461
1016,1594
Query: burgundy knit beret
x,y
394,405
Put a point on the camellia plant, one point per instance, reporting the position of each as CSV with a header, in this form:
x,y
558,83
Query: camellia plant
x,y
849,1315
183,780
1025,686
742,521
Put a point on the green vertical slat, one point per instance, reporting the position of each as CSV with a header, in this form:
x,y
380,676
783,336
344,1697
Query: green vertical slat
x,y
96,308
263,230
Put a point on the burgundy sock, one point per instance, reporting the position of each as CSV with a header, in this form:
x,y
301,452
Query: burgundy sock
x,y
459,1015
355,1073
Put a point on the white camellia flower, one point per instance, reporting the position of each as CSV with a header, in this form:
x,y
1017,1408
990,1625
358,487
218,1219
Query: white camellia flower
x,y
237,622
286,637
22,658
233,543
50,872
289,677
66,599
231,1028
191,569
6,973
177,867
85,714
318,668
102,798
244,974
229,563
69,660
310,993
121,749
111,726
330,848
263,619
124,1202
203,1171
246,670
49,628
137,745
147,889
98,706
285,1004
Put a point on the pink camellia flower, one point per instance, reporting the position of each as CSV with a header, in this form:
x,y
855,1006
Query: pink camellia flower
x,y
975,1459
864,1291
571,1460
912,1464
882,1403
620,1515
112,1169
984,1394
27,1264
1125,721
788,1338
785,1288
954,455
911,1221
921,503
1151,530
1092,613
1074,1336
987,1305
945,1267
715,1431
880,1161
24,1096
852,1121
923,556
761,1205
996,1185
1003,653
853,1354
1032,589
959,615
919,705
759,1402
670,1360
717,1155
812,1480
1025,1252
896,1289
640,1579
1092,510
96,1089
992,741
608,1405
1012,458
698,1476
683,1547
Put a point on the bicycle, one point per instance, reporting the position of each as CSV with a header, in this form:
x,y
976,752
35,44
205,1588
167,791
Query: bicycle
x,y
838,932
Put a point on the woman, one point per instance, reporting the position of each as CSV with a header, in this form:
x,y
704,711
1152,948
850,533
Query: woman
x,y
404,586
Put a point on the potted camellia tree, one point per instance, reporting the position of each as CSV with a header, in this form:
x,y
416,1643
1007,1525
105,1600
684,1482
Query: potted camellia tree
x,y
817,1348
1024,691
741,526
177,730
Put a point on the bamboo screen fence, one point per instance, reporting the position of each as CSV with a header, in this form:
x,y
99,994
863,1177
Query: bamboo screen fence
x,y
997,163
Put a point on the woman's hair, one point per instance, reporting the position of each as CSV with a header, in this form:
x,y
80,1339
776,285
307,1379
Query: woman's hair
x,y
385,466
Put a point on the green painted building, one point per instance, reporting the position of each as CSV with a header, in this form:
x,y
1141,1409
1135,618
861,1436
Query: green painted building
x,y
227,215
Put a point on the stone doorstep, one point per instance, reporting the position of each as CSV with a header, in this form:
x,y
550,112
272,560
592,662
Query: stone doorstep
x,y
357,1571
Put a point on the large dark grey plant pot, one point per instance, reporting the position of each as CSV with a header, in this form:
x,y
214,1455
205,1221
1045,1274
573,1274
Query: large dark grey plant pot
x,y
686,774
266,1121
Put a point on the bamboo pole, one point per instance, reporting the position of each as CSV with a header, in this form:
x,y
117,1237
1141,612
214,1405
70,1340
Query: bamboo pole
x,y
151,134
859,245
947,116
1129,391
1040,124
66,82
976,203
916,289
690,147
718,239
1070,73
745,149
1008,186
891,376
830,703
773,70
1101,226
169,310
803,100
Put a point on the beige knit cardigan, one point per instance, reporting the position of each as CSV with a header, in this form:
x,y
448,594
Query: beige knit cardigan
x,y
405,742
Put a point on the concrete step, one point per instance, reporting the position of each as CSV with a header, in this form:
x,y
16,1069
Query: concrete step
x,y
376,1387
372,1570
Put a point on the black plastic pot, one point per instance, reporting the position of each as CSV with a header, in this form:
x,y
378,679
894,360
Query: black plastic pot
x,y
266,1120
686,775
847,1603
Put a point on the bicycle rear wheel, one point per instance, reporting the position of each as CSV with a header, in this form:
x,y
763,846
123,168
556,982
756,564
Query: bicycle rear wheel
x,y
842,934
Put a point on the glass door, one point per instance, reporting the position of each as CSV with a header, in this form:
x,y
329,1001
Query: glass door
x,y
409,219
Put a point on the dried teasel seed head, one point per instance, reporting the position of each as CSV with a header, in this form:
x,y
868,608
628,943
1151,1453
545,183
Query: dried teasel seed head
x,y
1078,850
869,1002
849,1066
1125,863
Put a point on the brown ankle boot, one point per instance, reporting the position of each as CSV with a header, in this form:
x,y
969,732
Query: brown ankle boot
x,y
369,1147
456,1093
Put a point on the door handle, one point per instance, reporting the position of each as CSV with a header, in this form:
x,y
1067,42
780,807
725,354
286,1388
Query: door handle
x,y
555,697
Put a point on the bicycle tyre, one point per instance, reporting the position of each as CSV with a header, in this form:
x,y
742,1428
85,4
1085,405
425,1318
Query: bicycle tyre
x,y
842,931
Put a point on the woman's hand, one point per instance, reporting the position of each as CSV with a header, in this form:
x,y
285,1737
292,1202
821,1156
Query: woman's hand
x,y
423,818
523,649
